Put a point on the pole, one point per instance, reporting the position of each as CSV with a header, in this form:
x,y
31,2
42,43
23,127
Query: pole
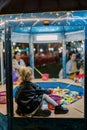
x,y
9,85
1,61
31,51
64,54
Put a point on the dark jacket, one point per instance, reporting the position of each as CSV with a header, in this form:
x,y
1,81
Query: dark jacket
x,y
28,97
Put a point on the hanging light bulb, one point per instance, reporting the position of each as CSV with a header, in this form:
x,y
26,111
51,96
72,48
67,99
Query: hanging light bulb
x,y
68,13
57,13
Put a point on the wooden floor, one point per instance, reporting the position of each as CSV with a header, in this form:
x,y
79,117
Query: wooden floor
x,y
76,110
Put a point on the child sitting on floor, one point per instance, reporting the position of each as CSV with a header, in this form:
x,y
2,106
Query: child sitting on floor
x,y
29,97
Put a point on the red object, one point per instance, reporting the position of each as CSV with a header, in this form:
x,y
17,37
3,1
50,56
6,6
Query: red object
x,y
51,107
80,76
51,90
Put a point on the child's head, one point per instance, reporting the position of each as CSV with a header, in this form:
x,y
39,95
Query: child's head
x,y
81,70
25,73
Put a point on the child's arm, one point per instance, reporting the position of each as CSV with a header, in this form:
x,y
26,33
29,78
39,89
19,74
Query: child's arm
x,y
41,90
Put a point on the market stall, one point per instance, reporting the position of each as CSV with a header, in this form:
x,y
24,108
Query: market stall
x,y
42,28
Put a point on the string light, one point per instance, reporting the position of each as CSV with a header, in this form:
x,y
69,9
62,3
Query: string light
x,y
16,19
59,17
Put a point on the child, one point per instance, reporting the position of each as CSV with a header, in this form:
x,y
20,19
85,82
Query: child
x,y
80,76
29,97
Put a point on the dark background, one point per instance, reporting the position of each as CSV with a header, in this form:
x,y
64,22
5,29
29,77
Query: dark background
x,y
27,6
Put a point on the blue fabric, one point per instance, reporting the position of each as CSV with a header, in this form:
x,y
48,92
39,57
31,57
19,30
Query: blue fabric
x,y
3,122
14,91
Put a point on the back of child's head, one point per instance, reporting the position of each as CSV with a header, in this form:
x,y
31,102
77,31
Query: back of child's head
x,y
25,73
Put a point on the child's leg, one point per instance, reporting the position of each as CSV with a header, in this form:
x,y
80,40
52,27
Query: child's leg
x,y
58,108
49,100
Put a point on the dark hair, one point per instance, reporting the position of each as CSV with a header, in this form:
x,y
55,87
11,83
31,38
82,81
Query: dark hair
x,y
70,54
15,53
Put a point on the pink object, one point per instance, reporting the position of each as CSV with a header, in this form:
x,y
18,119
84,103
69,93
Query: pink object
x,y
45,76
3,97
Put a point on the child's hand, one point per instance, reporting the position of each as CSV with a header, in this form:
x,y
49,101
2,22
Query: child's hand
x,y
47,91
75,79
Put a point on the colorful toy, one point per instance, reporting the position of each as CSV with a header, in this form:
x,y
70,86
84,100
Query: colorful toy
x,y
64,96
51,90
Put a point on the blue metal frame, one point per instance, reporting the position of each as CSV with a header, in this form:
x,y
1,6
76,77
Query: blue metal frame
x,y
9,83
31,52
64,59
64,54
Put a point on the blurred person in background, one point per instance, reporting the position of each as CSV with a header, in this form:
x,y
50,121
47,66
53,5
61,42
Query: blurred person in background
x,y
17,62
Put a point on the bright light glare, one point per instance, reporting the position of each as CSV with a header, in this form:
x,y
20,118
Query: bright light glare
x,y
14,43
51,49
41,50
34,49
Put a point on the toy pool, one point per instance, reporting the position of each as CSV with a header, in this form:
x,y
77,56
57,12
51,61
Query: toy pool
x,y
65,94
62,85
47,85
69,95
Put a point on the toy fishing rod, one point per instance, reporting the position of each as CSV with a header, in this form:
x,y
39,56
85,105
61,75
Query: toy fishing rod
x,y
69,85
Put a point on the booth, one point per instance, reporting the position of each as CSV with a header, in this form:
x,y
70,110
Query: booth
x,y
33,28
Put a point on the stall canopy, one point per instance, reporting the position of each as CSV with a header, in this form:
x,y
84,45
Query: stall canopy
x,y
46,27
71,24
